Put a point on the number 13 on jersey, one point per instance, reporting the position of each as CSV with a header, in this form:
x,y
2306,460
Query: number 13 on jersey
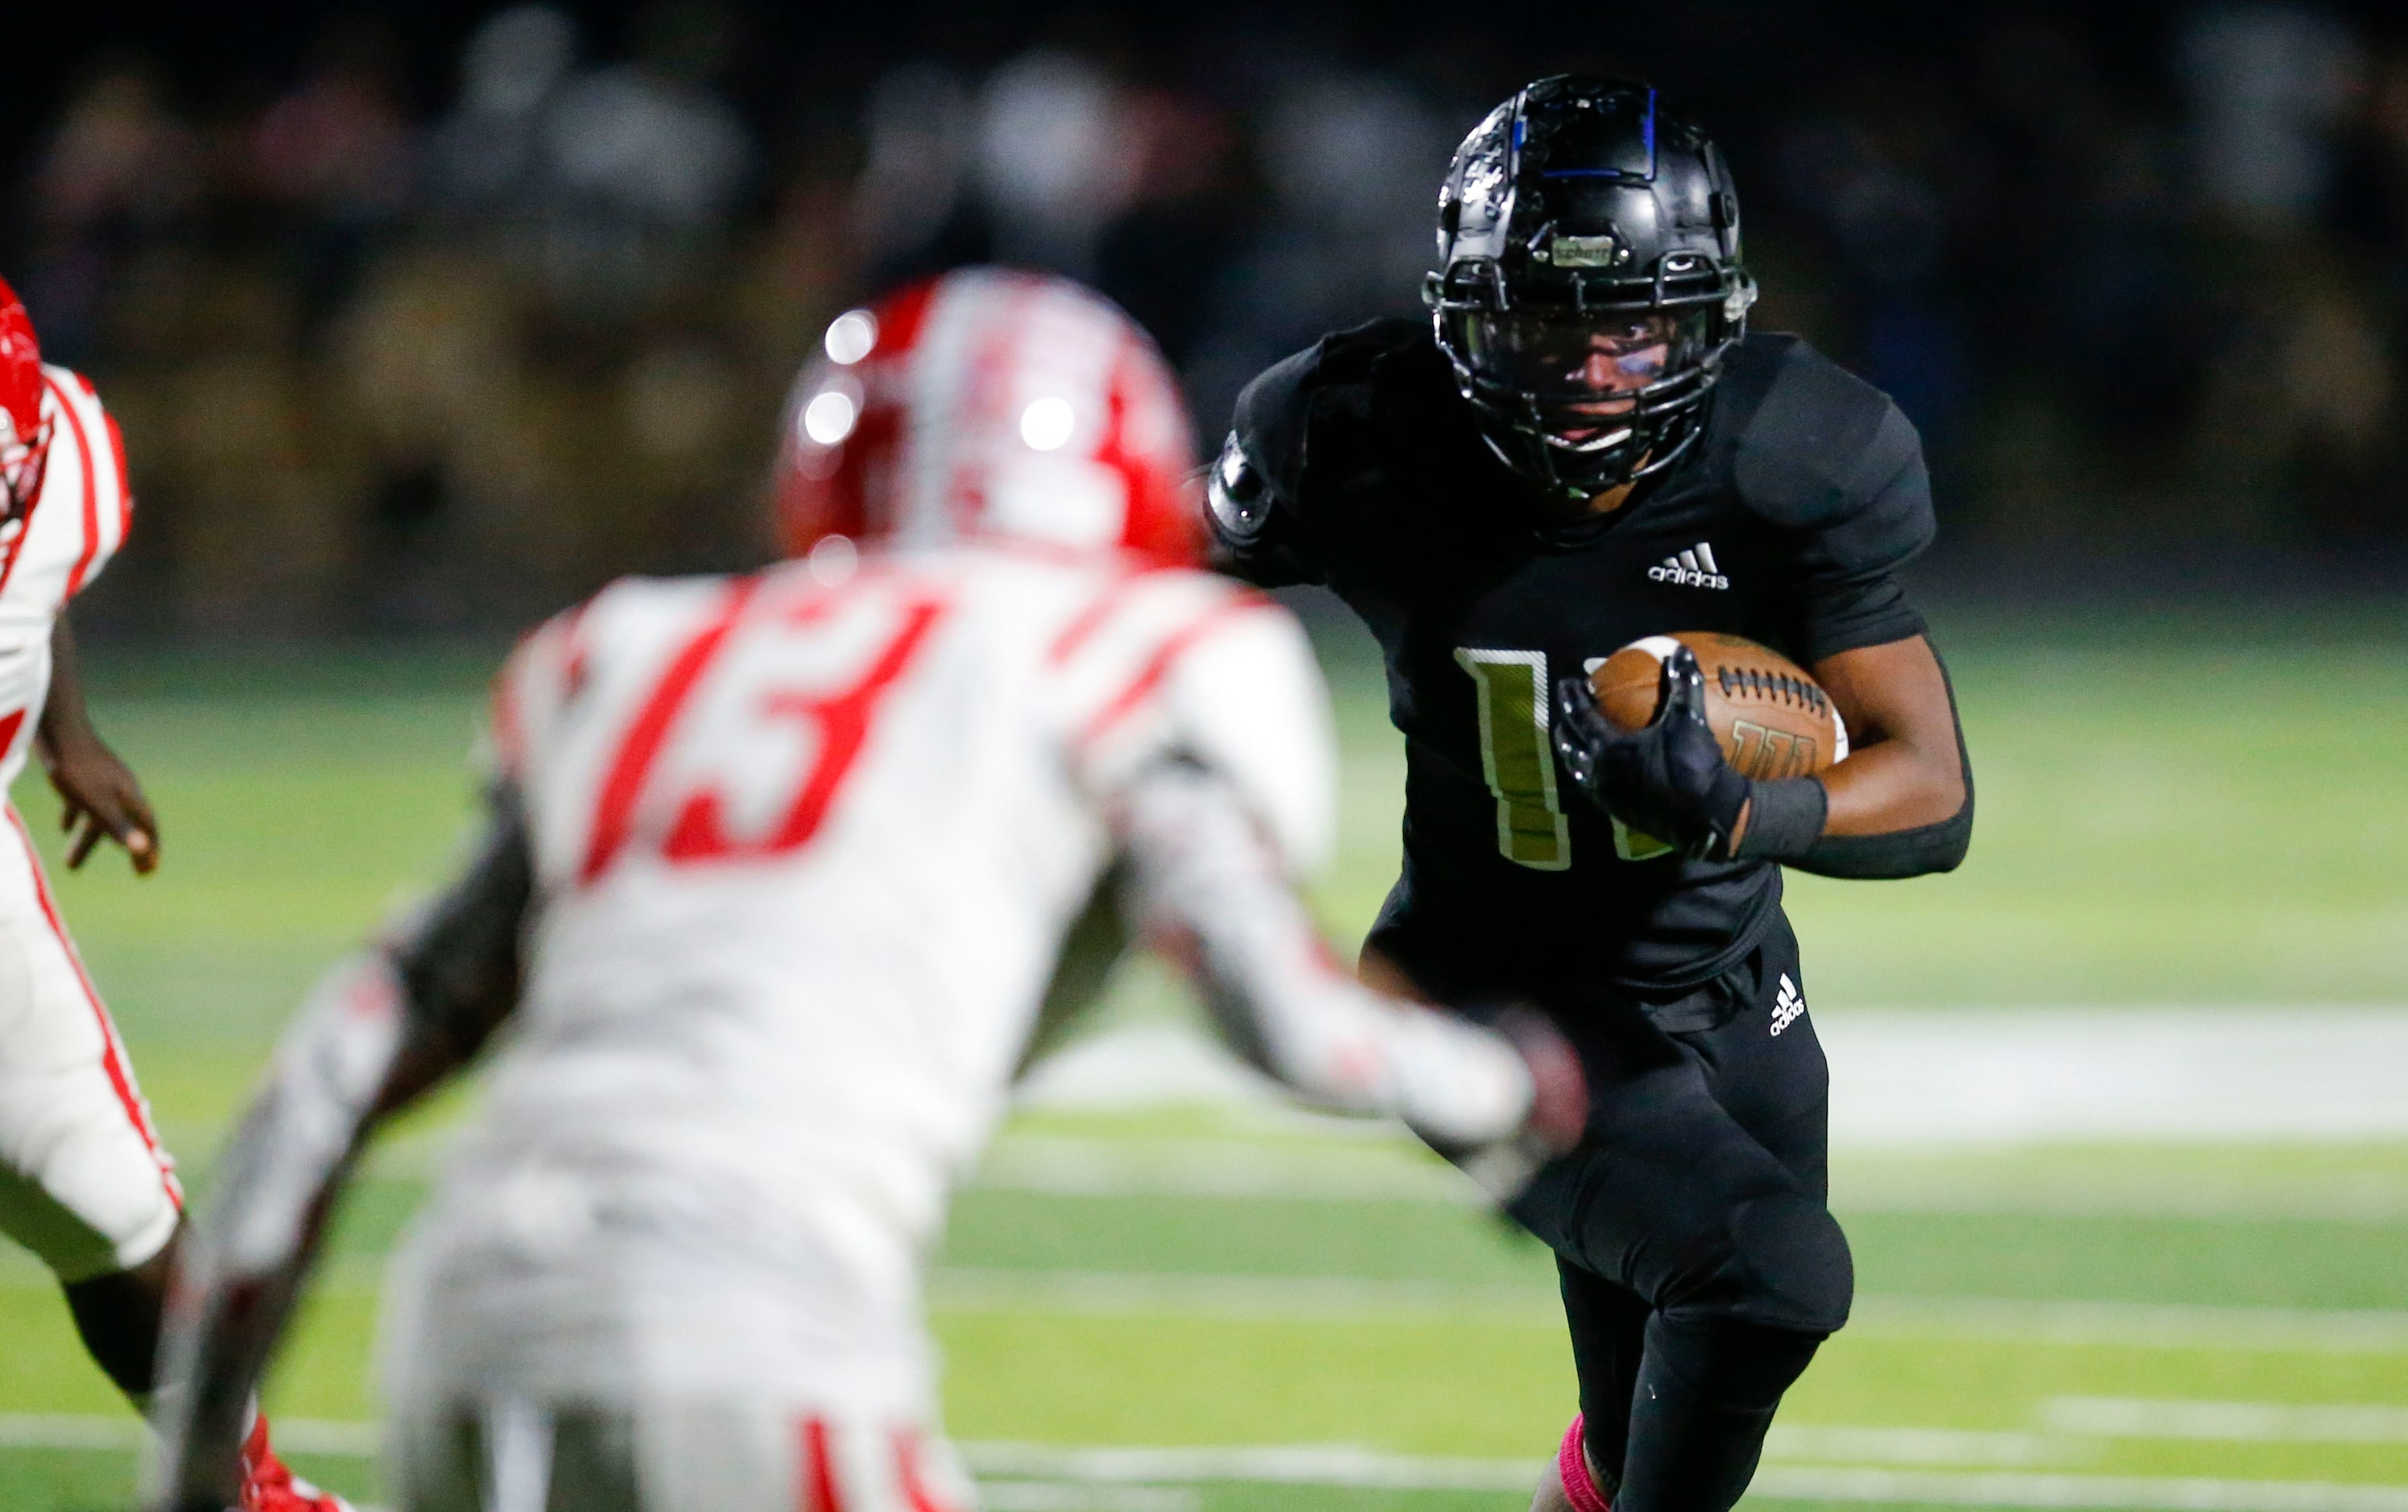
x,y
832,724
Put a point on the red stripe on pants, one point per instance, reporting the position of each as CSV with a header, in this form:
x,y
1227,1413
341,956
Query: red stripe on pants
x,y
112,1053
907,1469
819,1469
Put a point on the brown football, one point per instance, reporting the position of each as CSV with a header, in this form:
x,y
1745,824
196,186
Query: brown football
x,y
1773,720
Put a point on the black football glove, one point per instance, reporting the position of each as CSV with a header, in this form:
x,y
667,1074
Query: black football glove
x,y
1668,781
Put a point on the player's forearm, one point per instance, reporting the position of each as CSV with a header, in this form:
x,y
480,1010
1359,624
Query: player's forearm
x,y
1901,804
243,1265
1890,787
356,1055
377,1032
64,719
1905,849
1206,887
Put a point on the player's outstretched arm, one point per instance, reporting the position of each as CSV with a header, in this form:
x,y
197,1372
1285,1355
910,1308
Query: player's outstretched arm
x,y
377,1031
1206,887
99,791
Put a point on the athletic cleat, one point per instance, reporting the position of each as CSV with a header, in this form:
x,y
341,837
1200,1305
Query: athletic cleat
x,y
269,1486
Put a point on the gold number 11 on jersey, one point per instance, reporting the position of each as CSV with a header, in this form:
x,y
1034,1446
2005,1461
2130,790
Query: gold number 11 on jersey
x,y
1516,758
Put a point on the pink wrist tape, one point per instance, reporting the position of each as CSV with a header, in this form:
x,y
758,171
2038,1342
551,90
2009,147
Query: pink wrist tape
x,y
1571,1463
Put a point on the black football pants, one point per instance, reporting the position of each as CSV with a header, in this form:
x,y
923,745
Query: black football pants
x,y
1701,1267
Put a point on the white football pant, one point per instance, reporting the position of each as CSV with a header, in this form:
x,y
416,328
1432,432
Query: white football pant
x,y
84,1183
516,1454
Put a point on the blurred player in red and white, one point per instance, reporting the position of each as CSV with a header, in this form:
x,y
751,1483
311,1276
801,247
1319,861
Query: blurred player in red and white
x,y
784,876
84,1183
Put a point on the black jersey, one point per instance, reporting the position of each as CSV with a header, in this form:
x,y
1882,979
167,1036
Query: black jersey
x,y
1785,524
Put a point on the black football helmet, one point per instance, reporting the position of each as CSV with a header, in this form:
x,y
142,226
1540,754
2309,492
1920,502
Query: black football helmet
x,y
1589,281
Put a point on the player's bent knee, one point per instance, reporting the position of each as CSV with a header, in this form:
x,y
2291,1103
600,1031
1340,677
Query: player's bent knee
x,y
93,1201
1791,1265
1776,1260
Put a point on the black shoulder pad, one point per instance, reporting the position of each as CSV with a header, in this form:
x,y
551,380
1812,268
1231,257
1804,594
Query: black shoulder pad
x,y
1269,425
1238,496
1821,441
1274,413
1827,453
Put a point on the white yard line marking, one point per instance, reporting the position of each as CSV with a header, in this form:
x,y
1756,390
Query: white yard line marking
x,y
1072,1166
2270,1422
1820,1444
1311,1160
1357,1467
1143,1066
321,1435
2133,1325
2291,1196
345,1276
2216,1076
59,1431
1058,1496
1270,1298
1040,1477
1069,1165
1902,1078
1271,1464
97,1431
1308,1299
2144,1493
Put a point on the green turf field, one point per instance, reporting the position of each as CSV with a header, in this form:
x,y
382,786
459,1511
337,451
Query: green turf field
x,y
2215,819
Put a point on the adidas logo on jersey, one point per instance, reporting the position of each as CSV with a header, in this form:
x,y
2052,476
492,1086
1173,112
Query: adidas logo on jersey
x,y
1787,1003
1693,568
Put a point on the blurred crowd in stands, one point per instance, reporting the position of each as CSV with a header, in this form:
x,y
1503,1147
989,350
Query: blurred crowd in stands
x,y
390,355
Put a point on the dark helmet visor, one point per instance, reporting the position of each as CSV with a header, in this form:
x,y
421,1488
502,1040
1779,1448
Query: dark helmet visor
x,y
1556,357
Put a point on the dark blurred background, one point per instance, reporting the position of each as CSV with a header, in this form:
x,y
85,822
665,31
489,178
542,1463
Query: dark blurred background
x,y
433,316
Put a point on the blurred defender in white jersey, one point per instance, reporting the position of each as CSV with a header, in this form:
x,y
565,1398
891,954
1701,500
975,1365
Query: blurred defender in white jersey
x,y
84,1183
776,887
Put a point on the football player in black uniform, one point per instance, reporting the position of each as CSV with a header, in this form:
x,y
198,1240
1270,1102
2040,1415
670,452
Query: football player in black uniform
x,y
1583,447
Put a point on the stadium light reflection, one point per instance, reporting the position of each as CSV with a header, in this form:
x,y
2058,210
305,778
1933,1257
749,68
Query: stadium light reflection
x,y
850,337
1046,425
829,417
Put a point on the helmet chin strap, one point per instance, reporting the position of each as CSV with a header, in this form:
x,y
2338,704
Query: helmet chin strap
x,y
1538,461
1574,495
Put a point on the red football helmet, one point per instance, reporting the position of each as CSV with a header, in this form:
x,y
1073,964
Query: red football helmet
x,y
987,403
24,434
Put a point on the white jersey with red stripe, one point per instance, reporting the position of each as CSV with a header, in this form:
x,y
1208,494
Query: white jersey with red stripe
x,y
806,856
83,1180
54,549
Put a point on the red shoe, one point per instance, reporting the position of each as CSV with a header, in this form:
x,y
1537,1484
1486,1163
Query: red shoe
x,y
268,1485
